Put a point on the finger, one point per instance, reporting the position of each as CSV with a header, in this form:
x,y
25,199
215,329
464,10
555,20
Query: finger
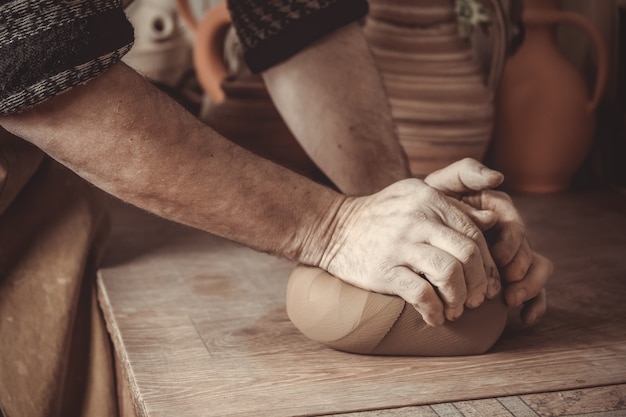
x,y
464,176
416,291
535,280
509,232
535,308
517,269
444,272
484,219
467,253
461,222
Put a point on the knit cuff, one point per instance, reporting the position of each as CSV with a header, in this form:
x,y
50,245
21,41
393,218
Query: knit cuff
x,y
272,31
47,47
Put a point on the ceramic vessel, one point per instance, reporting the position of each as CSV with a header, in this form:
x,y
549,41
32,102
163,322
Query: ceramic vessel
x,y
238,105
162,49
546,114
441,94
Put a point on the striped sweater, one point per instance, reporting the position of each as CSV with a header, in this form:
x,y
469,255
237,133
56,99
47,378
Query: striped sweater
x,y
50,46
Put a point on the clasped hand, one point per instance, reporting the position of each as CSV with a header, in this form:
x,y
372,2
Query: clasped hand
x,y
424,241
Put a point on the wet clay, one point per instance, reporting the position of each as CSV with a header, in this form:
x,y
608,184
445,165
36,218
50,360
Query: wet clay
x,y
343,317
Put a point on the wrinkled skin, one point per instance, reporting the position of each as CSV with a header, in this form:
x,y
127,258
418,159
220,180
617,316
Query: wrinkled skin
x,y
410,240
523,271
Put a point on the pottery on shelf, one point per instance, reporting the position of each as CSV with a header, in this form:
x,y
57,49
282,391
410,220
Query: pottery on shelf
x,y
162,49
546,114
238,105
441,94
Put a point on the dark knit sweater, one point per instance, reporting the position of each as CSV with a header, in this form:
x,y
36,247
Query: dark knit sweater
x,y
49,46
272,30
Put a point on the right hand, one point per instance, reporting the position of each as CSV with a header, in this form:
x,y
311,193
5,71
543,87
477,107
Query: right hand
x,y
410,240
523,271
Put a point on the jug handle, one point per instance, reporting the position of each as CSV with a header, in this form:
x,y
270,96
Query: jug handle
x,y
584,25
184,11
208,51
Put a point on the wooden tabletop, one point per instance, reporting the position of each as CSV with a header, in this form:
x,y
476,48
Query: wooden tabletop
x,y
200,328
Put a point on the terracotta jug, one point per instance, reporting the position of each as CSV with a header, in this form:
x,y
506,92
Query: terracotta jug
x,y
545,114
441,94
239,106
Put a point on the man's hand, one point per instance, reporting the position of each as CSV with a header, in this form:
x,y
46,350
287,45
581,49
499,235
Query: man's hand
x,y
409,240
525,272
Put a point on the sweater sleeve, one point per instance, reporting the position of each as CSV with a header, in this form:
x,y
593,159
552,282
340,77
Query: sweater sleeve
x,y
272,30
50,46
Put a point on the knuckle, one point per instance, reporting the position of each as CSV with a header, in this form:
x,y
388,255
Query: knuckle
x,y
466,226
476,292
517,269
503,253
429,194
419,217
534,288
455,295
447,268
418,295
468,251
500,195
471,231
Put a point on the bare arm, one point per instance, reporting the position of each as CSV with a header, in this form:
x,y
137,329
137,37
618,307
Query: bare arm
x,y
332,97
126,137
123,135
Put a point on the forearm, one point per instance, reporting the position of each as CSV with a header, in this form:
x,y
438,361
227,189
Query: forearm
x,y
332,98
124,136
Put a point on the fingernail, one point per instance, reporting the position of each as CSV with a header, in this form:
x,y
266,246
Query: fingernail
x,y
436,322
454,313
488,171
494,283
433,320
515,276
476,301
494,288
488,217
530,320
520,296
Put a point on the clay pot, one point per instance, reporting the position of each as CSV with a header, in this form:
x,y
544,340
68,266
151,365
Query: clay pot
x,y
238,105
162,51
441,94
546,116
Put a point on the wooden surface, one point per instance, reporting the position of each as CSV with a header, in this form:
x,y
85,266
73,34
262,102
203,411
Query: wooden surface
x,y
200,327
607,401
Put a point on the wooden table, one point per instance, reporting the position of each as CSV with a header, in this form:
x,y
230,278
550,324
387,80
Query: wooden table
x,y
200,329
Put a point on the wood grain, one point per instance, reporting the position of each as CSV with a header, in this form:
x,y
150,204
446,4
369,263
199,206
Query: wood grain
x,y
199,324
606,401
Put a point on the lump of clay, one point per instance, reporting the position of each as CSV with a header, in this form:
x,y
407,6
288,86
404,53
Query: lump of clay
x,y
343,317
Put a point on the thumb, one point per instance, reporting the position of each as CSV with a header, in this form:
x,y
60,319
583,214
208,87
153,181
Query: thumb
x,y
464,176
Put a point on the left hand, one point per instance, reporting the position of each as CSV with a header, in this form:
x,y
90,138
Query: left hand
x,y
524,271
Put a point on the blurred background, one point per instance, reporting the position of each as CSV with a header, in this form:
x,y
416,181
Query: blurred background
x,y
493,30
